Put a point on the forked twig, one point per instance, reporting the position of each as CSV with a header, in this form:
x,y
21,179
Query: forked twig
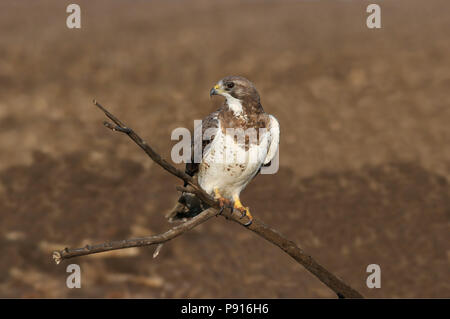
x,y
334,283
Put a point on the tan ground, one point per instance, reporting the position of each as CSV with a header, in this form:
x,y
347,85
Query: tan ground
x,y
365,156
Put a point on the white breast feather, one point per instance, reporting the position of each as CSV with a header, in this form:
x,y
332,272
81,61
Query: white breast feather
x,y
234,104
230,176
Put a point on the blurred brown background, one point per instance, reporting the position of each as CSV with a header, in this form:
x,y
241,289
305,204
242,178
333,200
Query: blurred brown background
x,y
364,160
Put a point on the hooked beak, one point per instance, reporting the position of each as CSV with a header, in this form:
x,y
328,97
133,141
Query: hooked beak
x,y
215,90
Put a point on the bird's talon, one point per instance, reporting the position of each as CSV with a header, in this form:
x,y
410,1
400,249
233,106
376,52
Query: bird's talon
x,y
223,202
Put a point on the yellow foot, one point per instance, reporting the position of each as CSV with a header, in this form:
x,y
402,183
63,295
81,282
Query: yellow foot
x,y
245,211
223,202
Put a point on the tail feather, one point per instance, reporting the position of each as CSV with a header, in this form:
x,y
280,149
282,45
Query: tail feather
x,y
187,207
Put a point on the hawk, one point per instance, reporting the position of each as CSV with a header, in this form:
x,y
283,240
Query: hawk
x,y
241,138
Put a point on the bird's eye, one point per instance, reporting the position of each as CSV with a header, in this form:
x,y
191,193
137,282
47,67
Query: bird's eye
x,y
230,85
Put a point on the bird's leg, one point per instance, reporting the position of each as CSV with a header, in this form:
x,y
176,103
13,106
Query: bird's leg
x,y
245,211
223,202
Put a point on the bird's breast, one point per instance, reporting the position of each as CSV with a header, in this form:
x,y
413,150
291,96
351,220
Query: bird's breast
x,y
229,163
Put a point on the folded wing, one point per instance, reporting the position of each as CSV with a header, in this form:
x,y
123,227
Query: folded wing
x,y
274,135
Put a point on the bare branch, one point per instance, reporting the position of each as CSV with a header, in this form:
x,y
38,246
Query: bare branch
x,y
334,283
67,253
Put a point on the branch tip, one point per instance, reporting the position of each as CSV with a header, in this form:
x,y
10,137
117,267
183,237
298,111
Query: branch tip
x,y
157,250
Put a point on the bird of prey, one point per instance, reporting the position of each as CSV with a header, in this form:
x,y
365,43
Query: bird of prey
x,y
228,160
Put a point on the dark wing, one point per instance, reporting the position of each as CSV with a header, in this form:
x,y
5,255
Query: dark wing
x,y
210,124
189,205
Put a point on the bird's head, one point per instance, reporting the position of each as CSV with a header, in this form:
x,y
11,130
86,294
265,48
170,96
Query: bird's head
x,y
236,88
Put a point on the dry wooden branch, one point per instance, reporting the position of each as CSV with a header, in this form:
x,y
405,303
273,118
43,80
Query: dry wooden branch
x,y
176,231
338,286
